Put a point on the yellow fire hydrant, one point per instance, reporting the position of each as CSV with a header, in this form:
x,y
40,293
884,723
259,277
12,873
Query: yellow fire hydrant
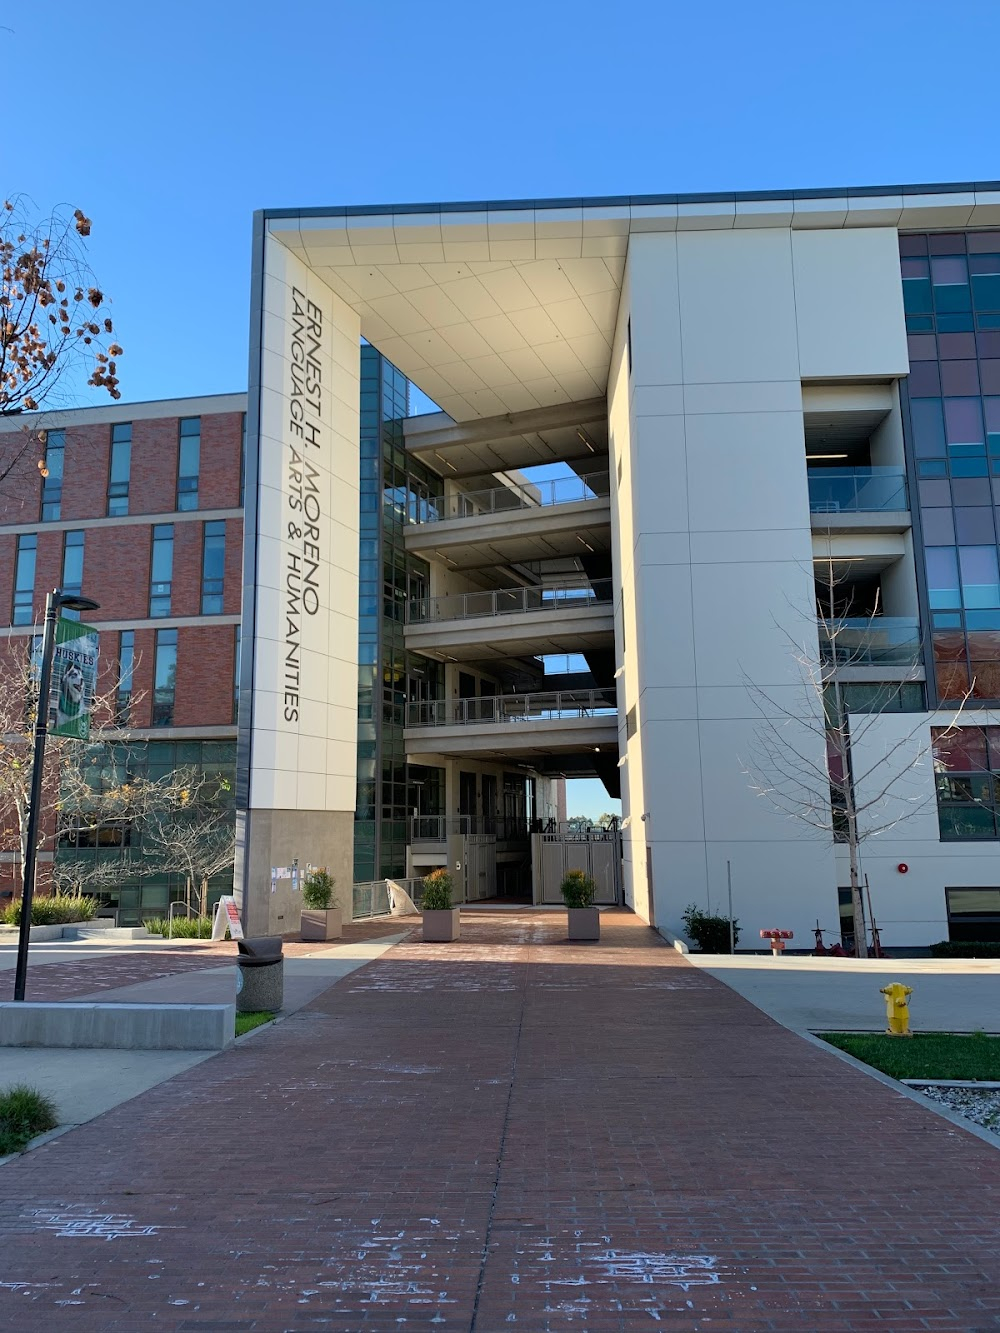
x,y
897,1008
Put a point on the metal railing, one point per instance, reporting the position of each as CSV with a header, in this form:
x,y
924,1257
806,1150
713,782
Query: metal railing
x,y
438,828
871,641
857,490
506,708
510,601
532,495
371,899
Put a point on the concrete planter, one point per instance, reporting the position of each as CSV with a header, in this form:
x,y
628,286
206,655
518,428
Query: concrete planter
x,y
317,924
442,927
584,923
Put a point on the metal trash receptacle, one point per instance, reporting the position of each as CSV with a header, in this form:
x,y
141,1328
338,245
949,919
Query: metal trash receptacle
x,y
260,975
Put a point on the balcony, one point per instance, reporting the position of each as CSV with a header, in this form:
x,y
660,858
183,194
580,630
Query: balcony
x,y
427,830
564,517
867,499
514,622
889,645
543,724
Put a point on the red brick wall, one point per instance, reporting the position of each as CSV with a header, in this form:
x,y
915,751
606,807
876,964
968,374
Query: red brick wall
x,y
153,483
185,591
85,472
204,676
221,446
233,592
21,486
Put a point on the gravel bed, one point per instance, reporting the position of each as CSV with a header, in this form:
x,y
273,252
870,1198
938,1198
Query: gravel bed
x,y
981,1106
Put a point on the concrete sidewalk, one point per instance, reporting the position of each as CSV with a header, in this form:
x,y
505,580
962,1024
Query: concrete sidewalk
x,y
86,1083
511,1131
842,994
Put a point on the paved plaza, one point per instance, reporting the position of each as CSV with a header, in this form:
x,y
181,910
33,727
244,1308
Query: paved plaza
x,y
510,1132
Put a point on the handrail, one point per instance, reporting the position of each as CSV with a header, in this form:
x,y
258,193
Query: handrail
x,y
548,706
170,915
510,601
857,490
533,495
437,828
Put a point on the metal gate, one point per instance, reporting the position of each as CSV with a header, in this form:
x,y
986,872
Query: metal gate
x,y
480,867
597,852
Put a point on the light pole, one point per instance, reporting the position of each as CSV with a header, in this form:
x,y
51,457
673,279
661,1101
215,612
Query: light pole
x,y
54,601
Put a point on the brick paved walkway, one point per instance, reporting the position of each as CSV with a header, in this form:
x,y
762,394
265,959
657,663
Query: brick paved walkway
x,y
510,1132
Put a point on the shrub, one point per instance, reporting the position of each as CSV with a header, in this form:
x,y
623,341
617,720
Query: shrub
x,y
24,1112
709,932
55,909
181,928
437,892
577,889
966,949
317,891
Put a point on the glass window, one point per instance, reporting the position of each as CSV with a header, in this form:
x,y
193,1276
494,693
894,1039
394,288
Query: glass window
x,y
928,428
72,569
243,460
52,478
939,527
963,418
120,469
126,666
980,576
164,678
161,569
188,463
942,577
24,579
213,568
975,524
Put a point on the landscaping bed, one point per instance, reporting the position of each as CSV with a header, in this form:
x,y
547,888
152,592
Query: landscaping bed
x,y
972,1057
247,1022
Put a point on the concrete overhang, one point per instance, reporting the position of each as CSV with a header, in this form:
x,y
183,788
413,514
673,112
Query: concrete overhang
x,y
523,740
825,524
576,433
530,634
856,555
504,306
517,536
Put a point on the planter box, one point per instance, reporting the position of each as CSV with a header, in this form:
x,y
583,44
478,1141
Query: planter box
x,y
442,927
584,923
317,924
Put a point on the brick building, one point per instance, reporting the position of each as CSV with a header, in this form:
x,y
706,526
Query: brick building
x,y
142,510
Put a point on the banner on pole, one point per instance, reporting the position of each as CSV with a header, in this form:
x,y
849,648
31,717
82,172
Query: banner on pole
x,y
74,679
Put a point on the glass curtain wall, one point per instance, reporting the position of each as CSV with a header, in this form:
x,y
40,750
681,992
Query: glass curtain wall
x,y
392,486
951,291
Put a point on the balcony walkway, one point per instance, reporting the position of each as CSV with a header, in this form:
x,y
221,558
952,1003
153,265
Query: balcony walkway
x,y
511,1131
525,725
514,622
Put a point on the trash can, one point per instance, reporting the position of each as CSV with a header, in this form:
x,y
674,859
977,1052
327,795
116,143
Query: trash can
x,y
260,975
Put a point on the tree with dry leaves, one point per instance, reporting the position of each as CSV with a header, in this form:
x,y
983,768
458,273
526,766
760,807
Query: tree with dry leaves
x,y
55,324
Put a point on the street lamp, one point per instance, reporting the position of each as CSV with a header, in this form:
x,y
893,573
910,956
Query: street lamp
x,y
54,602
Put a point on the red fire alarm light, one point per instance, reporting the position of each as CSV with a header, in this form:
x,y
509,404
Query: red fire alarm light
x,y
902,867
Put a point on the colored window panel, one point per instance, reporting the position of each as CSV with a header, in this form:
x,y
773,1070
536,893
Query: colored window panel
x,y
974,525
927,416
957,346
950,278
952,679
925,380
938,526
985,680
971,491
959,749
934,493
922,347
942,577
980,576
959,377
963,421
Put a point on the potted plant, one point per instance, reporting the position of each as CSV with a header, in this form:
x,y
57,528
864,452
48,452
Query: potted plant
x,y
441,920
578,889
322,918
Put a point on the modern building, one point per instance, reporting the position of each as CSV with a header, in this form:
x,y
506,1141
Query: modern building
x,y
746,393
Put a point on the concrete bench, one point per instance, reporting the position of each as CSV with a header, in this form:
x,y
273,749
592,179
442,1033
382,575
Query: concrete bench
x,y
133,1027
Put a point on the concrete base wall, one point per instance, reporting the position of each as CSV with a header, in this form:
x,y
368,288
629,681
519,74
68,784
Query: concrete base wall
x,y
277,838
137,1027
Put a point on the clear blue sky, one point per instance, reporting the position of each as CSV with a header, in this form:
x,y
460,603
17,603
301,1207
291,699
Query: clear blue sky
x,y
170,124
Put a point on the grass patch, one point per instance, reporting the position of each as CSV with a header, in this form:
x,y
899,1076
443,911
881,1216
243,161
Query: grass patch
x,y
247,1022
924,1055
24,1112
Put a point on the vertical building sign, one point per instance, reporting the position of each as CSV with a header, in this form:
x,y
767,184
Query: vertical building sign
x,y
297,737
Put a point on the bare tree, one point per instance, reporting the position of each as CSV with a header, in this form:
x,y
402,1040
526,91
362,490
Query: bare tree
x,y
805,755
198,837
